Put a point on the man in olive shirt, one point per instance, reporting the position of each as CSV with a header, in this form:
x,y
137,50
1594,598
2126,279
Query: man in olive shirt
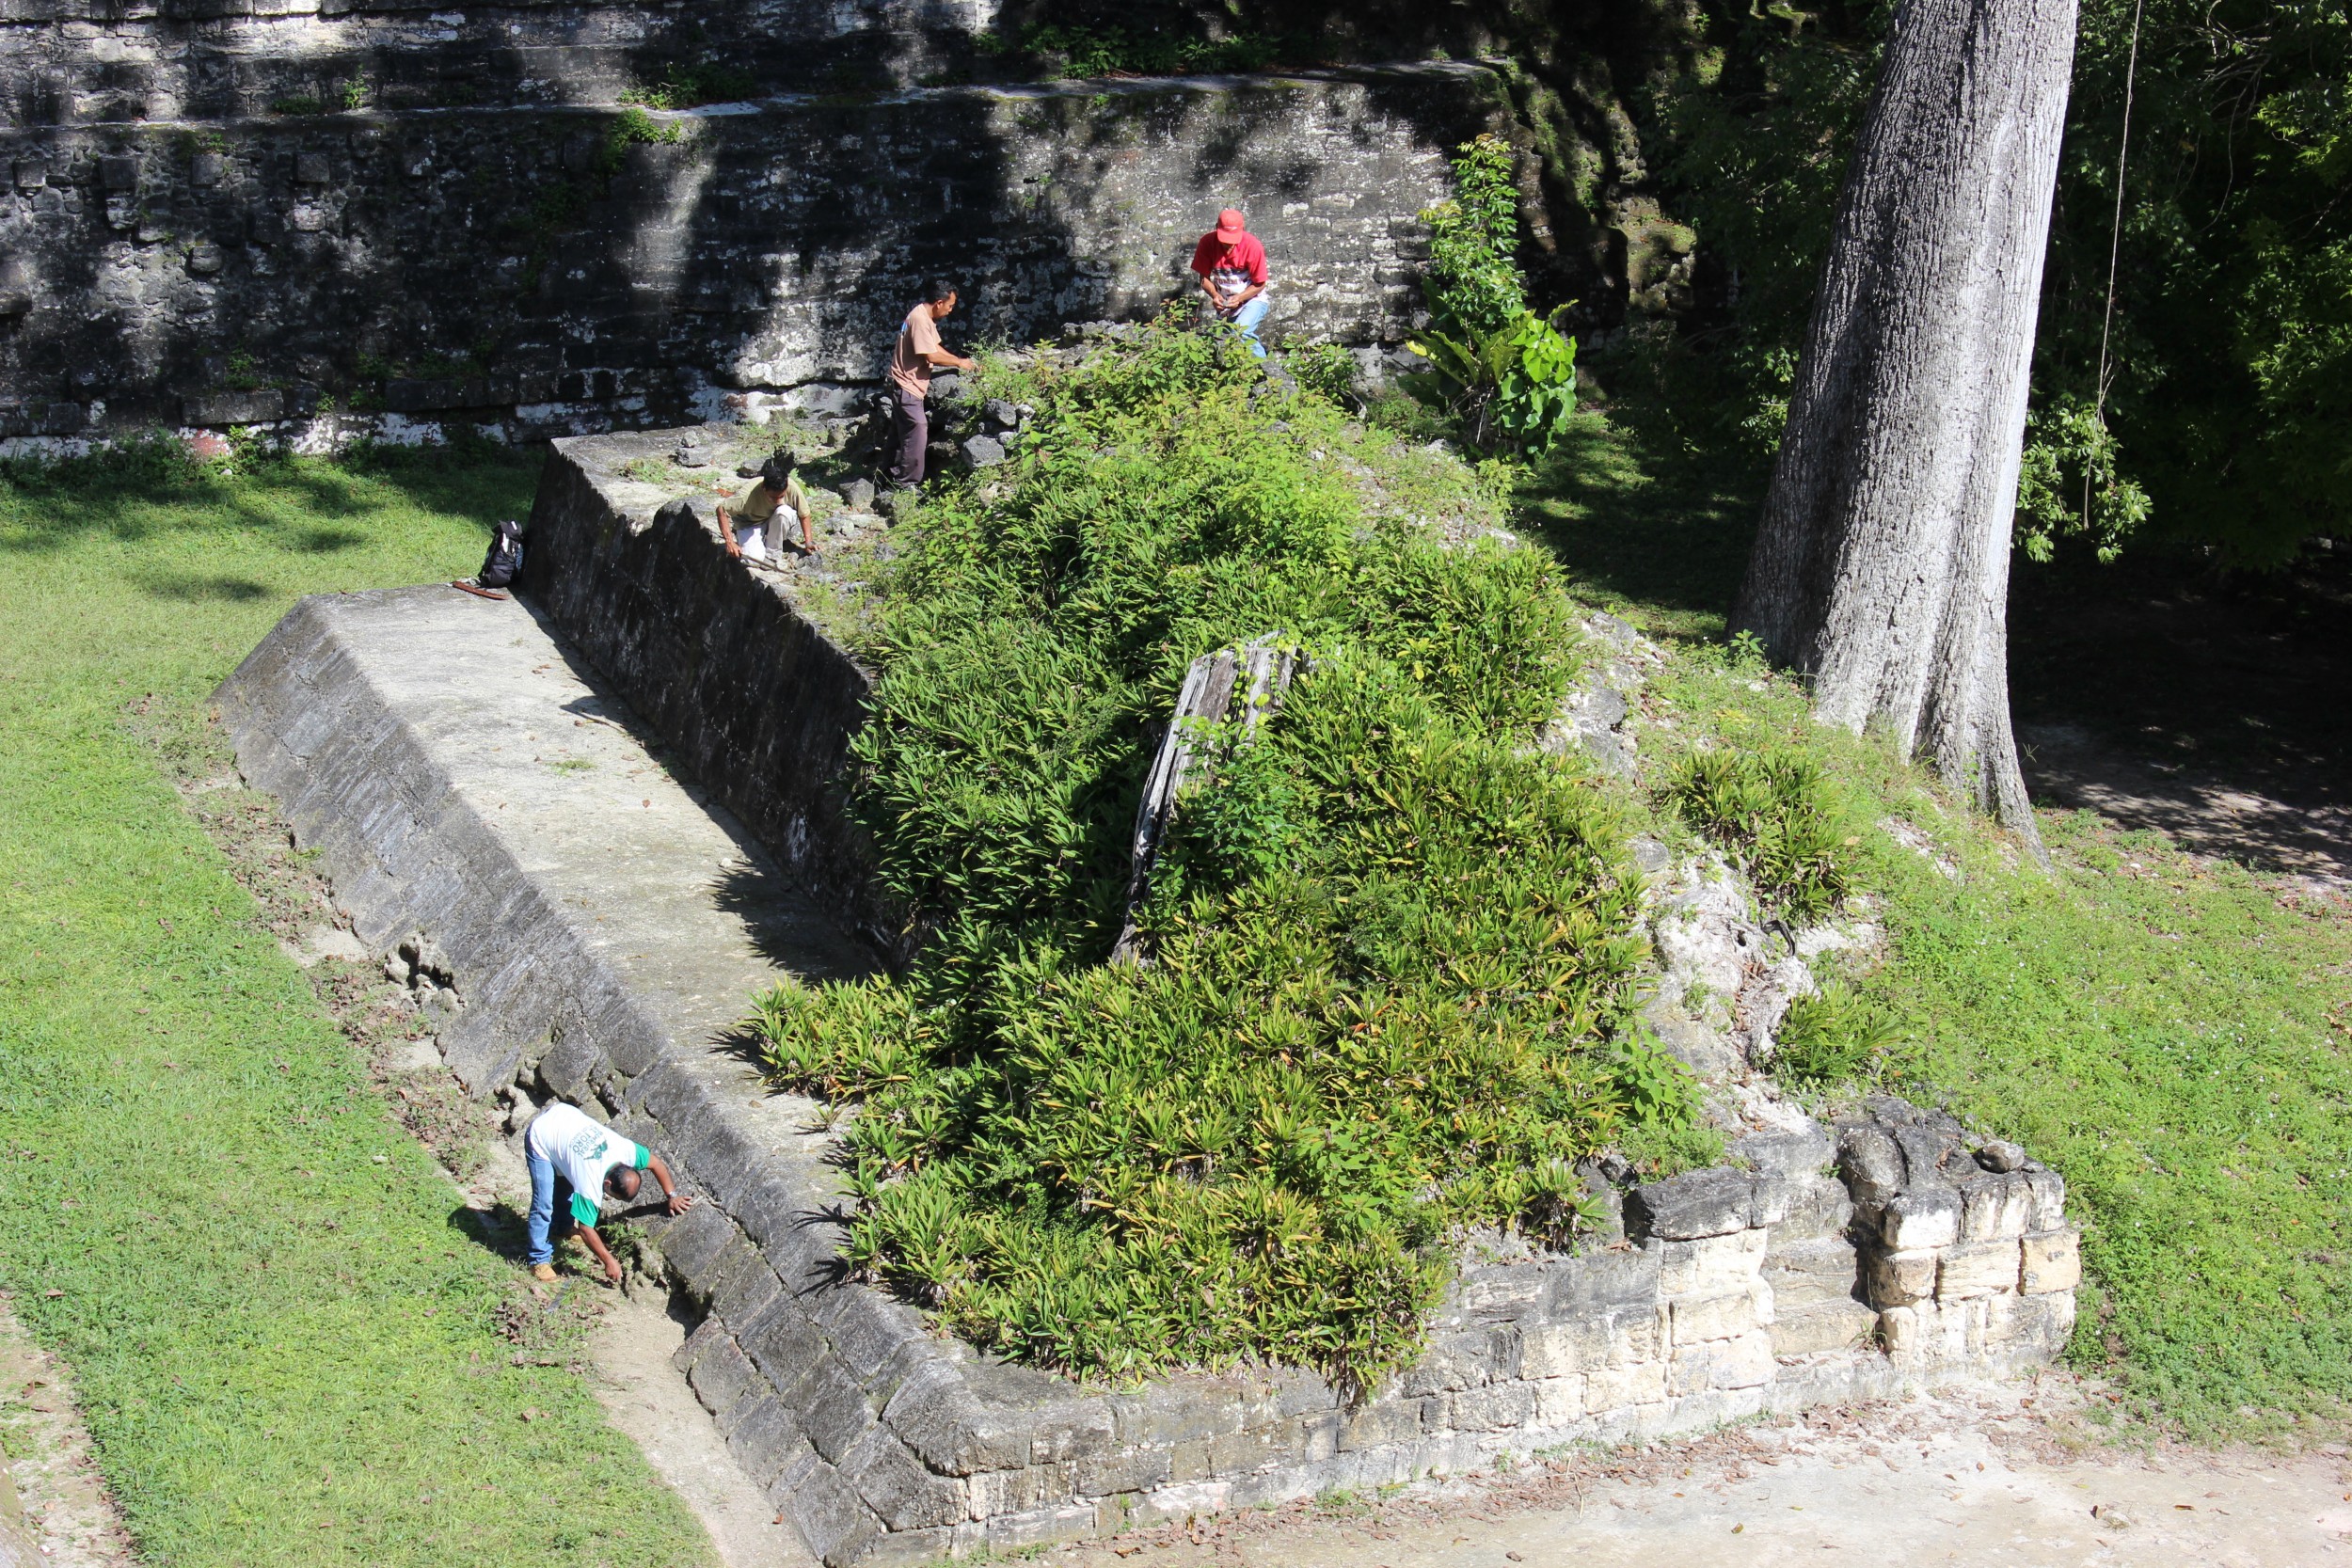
x,y
752,527
910,363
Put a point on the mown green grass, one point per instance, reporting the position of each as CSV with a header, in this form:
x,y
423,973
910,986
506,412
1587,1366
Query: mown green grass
x,y
2170,1032
282,1336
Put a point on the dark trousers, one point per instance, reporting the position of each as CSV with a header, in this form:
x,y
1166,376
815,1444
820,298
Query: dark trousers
x,y
910,434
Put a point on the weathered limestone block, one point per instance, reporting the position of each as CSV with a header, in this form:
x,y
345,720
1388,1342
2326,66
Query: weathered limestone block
x,y
1381,1423
826,1511
1803,1273
897,1487
2049,1198
1871,1165
1921,1218
1044,1527
1976,1269
1720,1316
1559,1402
1996,1206
766,1439
721,1377
1599,1281
1687,1207
1464,1360
1615,1387
1509,1292
1822,1326
1903,1278
1501,1408
2052,1261
1709,1264
1742,1362
1559,1350
1801,1206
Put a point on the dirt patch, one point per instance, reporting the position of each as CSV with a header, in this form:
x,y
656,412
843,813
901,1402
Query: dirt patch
x,y
2010,1475
649,1402
52,1496
2204,812
2166,694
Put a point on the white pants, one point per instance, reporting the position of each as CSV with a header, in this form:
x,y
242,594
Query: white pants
x,y
751,539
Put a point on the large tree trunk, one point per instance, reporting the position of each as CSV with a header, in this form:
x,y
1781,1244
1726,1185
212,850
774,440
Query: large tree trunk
x,y
1881,565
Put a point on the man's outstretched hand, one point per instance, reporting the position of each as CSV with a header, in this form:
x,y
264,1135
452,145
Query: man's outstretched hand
x,y
612,1270
679,1203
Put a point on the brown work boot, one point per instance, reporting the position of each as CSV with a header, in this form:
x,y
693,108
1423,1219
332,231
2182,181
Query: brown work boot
x,y
543,1272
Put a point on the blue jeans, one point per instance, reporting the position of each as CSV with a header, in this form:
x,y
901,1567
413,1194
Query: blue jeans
x,y
1246,321
550,1207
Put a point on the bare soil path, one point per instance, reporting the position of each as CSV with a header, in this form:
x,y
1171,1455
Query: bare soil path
x,y
1989,1477
55,1508
648,1400
2166,694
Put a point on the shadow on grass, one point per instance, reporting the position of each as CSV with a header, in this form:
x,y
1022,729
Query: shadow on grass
x,y
1647,526
198,589
142,491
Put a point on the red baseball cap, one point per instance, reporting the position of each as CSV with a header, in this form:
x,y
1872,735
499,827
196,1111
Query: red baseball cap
x,y
1230,226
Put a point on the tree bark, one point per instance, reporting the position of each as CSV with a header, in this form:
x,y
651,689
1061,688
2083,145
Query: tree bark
x,y
1881,567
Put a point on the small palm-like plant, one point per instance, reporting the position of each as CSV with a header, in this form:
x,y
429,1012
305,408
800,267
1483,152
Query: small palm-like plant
x,y
1513,386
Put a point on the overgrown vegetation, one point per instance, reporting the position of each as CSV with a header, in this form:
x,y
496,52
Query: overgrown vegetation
x,y
1392,942
1771,810
687,85
1834,1039
1056,49
287,1349
2167,1031
1506,374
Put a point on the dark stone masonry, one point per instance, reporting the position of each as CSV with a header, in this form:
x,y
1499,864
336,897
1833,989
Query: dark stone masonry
x,y
474,779
529,268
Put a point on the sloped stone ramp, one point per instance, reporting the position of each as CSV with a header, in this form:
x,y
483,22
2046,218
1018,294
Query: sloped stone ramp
x,y
591,927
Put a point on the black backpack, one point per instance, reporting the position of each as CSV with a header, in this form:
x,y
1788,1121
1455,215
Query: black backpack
x,y
506,555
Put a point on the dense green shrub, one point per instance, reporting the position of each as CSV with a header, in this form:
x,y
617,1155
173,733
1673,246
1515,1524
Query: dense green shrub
x,y
1473,281
1505,374
1773,810
1391,941
1831,1037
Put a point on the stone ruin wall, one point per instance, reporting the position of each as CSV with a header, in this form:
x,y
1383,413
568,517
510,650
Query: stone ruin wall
x,y
80,62
1887,1251
473,247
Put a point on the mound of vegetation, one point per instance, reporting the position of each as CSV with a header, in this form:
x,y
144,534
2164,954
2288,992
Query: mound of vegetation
x,y
1391,941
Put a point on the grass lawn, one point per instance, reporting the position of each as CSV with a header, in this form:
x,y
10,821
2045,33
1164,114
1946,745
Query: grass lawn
x,y
2172,1034
283,1342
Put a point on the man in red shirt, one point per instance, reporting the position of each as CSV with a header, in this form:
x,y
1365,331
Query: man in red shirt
x,y
1231,266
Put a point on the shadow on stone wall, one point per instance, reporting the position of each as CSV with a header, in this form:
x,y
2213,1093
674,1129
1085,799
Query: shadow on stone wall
x,y
551,270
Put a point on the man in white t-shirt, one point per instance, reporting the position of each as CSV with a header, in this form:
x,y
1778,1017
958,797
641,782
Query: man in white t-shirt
x,y
576,1162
